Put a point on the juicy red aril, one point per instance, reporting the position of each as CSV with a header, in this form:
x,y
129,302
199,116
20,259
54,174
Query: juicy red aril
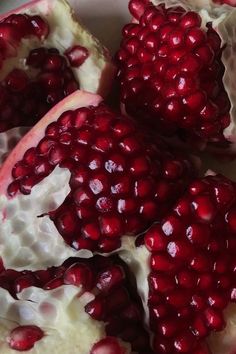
x,y
40,28
31,96
77,55
107,345
192,266
109,279
168,76
120,181
79,275
24,337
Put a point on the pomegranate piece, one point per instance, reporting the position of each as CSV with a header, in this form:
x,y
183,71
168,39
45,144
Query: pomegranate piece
x,y
120,298
24,337
192,276
174,71
50,69
121,179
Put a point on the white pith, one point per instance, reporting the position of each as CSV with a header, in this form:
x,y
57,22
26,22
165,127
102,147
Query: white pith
x,y
59,313
31,242
95,74
8,141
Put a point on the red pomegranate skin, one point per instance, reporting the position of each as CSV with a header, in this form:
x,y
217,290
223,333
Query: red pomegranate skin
x,y
171,73
192,277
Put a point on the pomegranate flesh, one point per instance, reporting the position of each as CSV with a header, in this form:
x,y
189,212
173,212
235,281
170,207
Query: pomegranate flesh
x,y
112,180
176,65
71,300
45,55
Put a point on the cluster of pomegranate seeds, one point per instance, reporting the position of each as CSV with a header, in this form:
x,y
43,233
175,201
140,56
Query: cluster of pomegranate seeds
x,y
171,72
25,100
116,302
193,267
26,95
120,183
24,337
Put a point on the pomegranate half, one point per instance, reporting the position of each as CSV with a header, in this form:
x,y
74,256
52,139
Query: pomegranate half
x,y
97,176
176,69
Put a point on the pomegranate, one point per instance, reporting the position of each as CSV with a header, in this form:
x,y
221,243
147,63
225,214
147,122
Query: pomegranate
x,y
176,64
191,279
71,301
111,180
45,55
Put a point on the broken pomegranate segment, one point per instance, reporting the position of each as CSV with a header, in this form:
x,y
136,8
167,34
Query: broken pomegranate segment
x,y
192,277
175,69
45,56
110,317
112,180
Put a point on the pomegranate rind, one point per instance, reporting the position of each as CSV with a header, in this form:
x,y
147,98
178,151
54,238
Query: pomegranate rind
x,y
77,99
97,72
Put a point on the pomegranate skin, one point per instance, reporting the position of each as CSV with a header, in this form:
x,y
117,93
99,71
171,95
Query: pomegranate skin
x,y
192,262
174,73
24,337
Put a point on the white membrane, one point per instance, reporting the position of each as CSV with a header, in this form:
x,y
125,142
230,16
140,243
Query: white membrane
x,y
28,241
59,313
8,141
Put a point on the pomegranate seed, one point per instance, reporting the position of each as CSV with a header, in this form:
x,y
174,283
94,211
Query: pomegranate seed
x,y
79,275
24,337
107,345
109,279
77,55
39,27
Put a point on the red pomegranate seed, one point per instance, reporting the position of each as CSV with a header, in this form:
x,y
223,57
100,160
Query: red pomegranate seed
x,y
24,337
79,275
24,281
107,345
112,277
96,309
16,80
77,55
40,28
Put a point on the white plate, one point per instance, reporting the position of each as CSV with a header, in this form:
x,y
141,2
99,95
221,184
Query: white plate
x,y
104,18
